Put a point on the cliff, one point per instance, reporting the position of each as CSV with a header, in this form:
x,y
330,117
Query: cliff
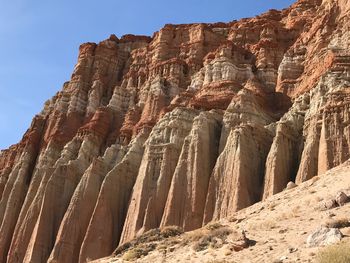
x,y
181,128
277,230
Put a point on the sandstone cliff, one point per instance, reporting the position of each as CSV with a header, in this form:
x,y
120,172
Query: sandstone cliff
x,y
181,128
281,229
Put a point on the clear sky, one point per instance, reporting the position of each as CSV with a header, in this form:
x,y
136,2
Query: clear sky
x,y
39,42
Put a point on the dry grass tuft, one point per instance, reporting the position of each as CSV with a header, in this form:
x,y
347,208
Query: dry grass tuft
x,y
171,231
138,252
296,211
213,226
338,223
267,224
339,253
272,206
147,242
213,235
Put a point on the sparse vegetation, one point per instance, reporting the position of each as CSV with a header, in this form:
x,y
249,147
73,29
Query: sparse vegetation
x,y
213,226
147,242
214,235
203,243
269,224
339,253
171,231
291,213
138,252
272,206
318,199
338,223
296,211
266,224
222,232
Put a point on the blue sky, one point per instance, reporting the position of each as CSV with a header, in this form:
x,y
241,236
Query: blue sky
x,y
39,42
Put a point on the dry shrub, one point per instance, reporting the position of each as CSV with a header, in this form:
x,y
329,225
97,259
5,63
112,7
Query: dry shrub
x,y
221,232
145,243
339,253
296,210
338,223
149,236
283,216
293,212
171,231
213,235
162,247
213,226
133,254
193,236
268,224
122,248
203,243
138,252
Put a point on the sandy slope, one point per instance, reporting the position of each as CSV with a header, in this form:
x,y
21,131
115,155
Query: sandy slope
x,y
279,225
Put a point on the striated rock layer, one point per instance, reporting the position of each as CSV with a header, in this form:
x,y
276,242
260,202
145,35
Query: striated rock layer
x,y
181,128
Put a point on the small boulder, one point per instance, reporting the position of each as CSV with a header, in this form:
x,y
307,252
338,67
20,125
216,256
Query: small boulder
x,y
329,204
241,242
283,258
290,185
341,198
324,236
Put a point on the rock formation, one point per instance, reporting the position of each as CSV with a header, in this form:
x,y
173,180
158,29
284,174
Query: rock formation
x,y
181,128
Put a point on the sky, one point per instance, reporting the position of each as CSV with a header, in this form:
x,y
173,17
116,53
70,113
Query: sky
x,y
39,41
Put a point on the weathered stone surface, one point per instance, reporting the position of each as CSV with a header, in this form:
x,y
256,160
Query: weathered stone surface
x,y
153,182
102,237
290,185
329,204
324,236
284,155
181,128
341,198
188,190
77,216
237,178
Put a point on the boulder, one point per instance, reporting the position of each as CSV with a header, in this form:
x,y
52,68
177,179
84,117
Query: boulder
x,y
290,185
324,236
341,198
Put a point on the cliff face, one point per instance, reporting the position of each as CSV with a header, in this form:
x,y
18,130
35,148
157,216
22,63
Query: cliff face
x,y
181,128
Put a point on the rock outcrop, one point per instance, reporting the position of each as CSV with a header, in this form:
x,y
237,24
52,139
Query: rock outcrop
x,y
188,126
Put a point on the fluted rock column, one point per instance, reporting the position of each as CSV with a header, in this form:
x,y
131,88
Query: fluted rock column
x,y
186,198
237,179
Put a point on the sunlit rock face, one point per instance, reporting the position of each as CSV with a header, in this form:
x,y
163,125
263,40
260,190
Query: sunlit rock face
x,y
181,128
